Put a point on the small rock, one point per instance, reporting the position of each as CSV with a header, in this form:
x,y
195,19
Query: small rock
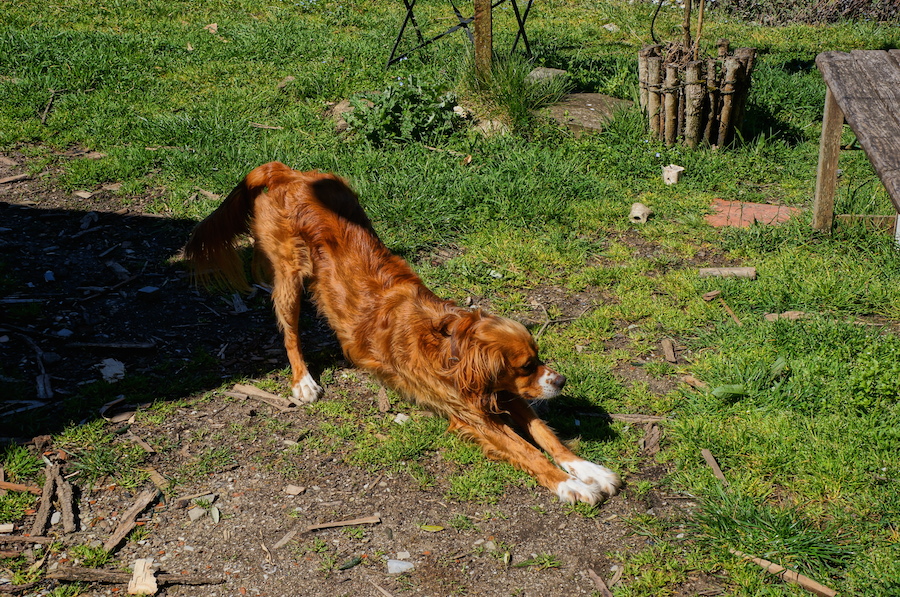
x,y
196,513
545,74
399,566
148,293
64,333
491,128
402,555
112,370
55,518
49,358
490,546
49,276
294,489
401,418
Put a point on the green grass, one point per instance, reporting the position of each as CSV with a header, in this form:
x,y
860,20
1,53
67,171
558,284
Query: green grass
x,y
802,415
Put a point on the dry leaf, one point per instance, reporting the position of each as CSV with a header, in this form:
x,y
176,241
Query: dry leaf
x,y
212,28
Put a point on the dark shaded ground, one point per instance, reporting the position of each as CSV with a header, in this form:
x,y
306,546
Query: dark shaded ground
x,y
176,343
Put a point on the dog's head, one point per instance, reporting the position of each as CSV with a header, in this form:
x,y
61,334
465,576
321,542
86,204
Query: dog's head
x,y
490,355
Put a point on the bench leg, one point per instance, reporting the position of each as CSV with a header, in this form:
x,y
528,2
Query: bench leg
x,y
826,176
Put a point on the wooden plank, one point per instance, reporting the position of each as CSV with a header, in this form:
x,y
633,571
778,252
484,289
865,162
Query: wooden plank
x,y
826,173
866,86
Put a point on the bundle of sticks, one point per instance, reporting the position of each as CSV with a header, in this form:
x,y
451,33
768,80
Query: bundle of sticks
x,y
697,101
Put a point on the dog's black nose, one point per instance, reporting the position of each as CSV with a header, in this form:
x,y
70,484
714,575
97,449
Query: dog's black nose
x,y
559,381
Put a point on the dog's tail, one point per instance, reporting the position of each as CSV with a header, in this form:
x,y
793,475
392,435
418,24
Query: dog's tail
x,y
212,249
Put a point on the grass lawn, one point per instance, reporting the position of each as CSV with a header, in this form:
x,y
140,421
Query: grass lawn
x,y
803,416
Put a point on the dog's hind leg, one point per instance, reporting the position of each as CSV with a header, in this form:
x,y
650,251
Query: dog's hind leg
x,y
585,471
287,291
500,442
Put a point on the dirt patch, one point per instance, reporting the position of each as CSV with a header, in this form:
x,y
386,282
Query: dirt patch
x,y
85,280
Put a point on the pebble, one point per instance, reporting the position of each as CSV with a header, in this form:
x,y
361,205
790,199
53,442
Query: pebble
x,y
55,518
196,513
401,418
399,566
402,555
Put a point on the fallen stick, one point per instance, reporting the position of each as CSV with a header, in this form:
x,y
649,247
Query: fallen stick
x,y
43,513
269,398
601,586
711,461
694,382
717,294
117,345
110,289
107,576
730,312
380,590
66,501
19,487
635,418
788,575
16,178
129,519
22,539
727,272
650,442
343,523
668,348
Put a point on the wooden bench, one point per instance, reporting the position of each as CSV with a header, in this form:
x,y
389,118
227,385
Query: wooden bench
x,y
863,88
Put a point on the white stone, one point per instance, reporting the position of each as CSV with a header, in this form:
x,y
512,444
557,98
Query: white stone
x,y
399,566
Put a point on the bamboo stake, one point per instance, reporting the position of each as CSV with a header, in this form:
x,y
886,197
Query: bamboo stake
x,y
747,56
686,25
693,99
722,48
654,84
712,103
671,103
726,117
699,29
643,80
788,575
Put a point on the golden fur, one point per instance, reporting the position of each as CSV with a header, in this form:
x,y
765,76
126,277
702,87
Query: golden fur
x,y
474,368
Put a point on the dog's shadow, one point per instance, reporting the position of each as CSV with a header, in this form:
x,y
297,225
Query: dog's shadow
x,y
575,418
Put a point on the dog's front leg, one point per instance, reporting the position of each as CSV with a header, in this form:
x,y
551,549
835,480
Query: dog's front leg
x,y
585,471
501,442
286,294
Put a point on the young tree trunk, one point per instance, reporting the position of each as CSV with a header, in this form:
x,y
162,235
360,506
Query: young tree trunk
x,y
693,100
671,106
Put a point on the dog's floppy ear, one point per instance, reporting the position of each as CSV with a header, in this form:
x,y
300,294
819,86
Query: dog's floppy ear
x,y
475,360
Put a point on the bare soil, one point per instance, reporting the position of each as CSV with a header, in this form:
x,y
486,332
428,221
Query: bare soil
x,y
106,256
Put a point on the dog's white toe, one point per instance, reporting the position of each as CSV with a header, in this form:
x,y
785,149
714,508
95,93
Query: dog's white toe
x,y
573,491
306,391
602,478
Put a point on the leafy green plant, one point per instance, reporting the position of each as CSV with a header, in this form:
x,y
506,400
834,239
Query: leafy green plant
x,y
540,562
407,110
874,381
91,557
20,464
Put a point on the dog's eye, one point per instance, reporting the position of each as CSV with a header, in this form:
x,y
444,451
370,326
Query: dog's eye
x,y
529,367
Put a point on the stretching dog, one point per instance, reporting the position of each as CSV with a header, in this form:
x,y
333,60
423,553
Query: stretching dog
x,y
474,368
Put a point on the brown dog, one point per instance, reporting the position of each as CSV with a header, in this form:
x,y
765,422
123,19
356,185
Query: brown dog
x,y
474,368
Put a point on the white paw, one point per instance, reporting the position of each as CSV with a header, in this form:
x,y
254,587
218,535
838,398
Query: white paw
x,y
306,391
573,491
594,475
